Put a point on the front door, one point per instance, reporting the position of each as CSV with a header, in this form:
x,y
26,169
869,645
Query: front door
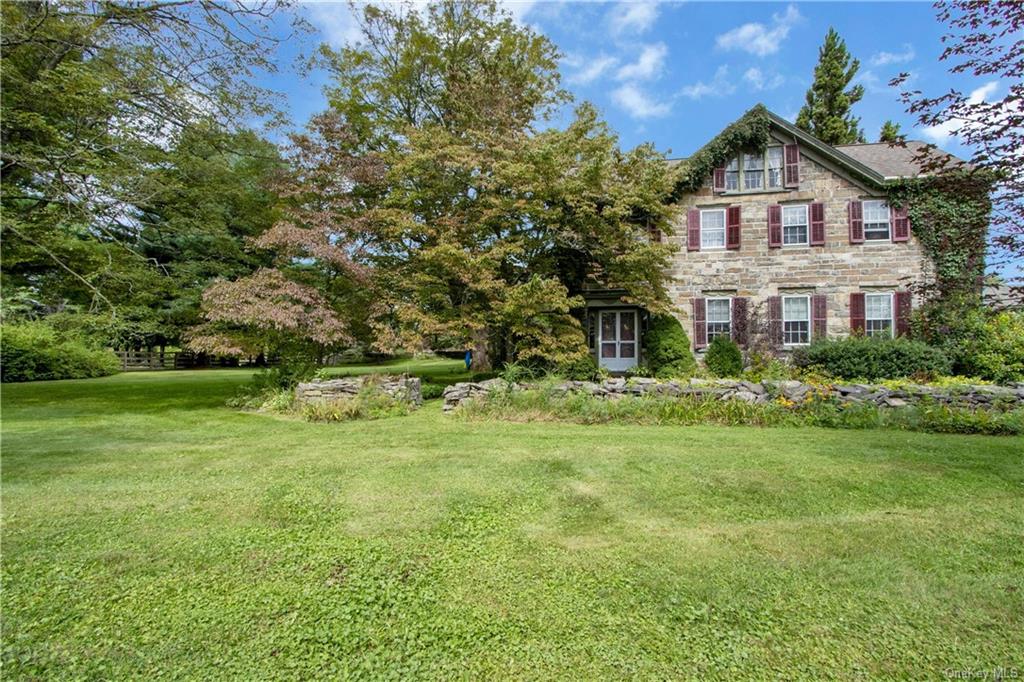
x,y
617,347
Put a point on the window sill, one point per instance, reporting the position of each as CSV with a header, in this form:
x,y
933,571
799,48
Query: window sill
x,y
746,192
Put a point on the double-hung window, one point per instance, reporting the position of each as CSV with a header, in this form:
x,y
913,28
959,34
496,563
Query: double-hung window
x,y
878,314
796,320
719,317
712,228
732,175
774,155
876,221
753,171
794,225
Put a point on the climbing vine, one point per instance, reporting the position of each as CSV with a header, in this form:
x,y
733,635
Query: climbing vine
x,y
949,215
750,131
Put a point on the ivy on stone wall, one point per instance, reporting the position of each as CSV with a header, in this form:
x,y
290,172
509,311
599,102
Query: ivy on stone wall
x,y
949,215
750,131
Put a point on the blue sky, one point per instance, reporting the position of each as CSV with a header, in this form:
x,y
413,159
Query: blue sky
x,y
674,73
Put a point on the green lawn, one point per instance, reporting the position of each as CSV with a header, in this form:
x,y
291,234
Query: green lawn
x,y
150,532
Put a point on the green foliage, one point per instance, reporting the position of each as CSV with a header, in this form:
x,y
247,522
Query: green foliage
x,y
890,132
724,358
534,405
763,365
585,368
826,111
667,348
949,215
34,351
751,131
996,352
860,357
431,391
368,404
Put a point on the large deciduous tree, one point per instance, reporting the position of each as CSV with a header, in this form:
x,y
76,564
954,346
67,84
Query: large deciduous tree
x,y
117,129
985,40
826,113
482,231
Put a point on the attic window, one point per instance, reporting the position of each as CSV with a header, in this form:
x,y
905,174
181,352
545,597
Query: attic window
x,y
758,170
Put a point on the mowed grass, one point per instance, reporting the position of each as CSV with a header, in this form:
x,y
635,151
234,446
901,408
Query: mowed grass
x,y
151,532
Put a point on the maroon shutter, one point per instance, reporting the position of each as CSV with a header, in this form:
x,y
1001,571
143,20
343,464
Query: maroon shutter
x,y
817,224
700,327
902,313
693,230
732,227
791,154
900,224
857,313
774,226
856,214
775,321
719,182
739,320
819,316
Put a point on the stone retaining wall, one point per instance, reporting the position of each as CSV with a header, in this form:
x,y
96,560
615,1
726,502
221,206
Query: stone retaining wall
x,y
399,387
759,392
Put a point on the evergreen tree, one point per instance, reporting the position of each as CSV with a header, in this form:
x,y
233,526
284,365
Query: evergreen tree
x,y
826,113
890,132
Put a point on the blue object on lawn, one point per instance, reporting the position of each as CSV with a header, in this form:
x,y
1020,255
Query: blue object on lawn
x,y
469,359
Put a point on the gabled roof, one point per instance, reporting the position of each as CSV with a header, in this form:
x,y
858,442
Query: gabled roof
x,y
874,164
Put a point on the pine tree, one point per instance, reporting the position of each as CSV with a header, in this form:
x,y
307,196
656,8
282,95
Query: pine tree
x,y
826,113
890,132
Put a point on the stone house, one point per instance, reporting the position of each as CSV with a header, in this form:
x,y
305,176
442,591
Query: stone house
x,y
798,236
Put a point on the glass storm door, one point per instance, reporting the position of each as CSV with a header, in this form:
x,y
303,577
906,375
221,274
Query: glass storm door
x,y
618,343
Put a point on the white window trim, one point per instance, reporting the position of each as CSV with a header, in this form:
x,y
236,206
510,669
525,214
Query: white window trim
x,y
864,222
741,173
809,320
707,321
807,222
725,229
892,311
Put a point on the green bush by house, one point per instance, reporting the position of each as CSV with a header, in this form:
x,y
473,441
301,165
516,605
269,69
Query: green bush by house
x,y
667,349
724,358
996,351
33,351
859,357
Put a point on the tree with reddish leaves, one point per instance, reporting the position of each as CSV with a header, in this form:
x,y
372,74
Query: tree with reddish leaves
x,y
986,41
309,301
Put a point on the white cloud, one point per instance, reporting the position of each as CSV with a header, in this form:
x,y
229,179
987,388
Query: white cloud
x,y
718,87
758,80
335,21
940,133
884,58
593,69
638,104
648,65
632,17
759,39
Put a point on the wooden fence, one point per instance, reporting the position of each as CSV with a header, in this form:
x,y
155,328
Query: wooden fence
x,y
148,360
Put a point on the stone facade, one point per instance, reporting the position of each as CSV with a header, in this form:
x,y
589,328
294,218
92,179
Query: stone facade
x,y
984,397
326,390
756,271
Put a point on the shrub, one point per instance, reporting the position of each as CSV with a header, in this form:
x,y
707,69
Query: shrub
x,y
724,358
583,369
996,351
763,366
667,349
859,357
431,391
34,351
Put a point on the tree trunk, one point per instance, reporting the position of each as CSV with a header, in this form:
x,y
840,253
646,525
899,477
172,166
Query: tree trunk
x,y
481,358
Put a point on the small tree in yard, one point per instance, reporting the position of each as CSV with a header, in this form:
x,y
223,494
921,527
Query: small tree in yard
x,y
667,348
724,358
